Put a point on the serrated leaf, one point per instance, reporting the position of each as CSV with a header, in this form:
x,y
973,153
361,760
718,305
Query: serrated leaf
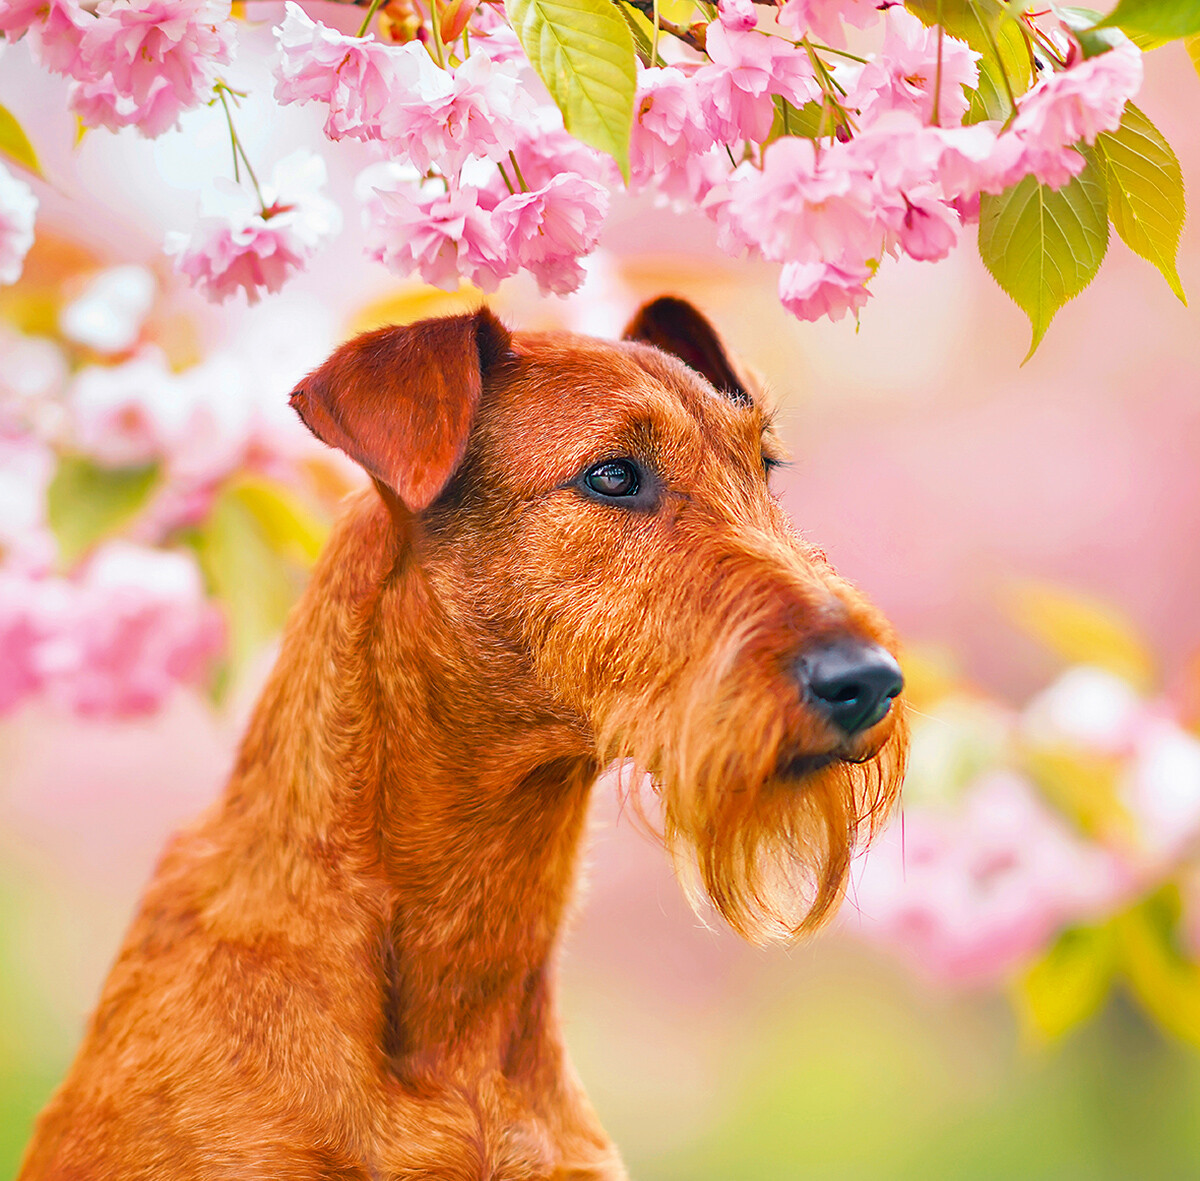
x,y
987,28
1165,19
642,31
1083,630
15,145
583,51
1146,203
86,503
1044,246
1068,984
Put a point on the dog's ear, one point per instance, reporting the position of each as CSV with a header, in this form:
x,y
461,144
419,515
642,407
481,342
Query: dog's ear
x,y
401,400
676,327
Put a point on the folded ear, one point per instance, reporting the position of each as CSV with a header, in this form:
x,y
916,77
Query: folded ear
x,y
401,400
676,327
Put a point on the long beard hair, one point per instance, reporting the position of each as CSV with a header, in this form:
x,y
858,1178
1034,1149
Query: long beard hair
x,y
750,812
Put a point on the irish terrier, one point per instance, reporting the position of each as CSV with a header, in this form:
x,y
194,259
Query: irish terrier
x,y
570,555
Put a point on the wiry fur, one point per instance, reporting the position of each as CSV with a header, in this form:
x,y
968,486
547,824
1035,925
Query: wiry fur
x,y
346,969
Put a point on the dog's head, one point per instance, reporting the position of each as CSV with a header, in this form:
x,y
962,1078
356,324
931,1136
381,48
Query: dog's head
x,y
601,513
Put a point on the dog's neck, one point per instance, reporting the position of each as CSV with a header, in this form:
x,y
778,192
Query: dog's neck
x,y
398,773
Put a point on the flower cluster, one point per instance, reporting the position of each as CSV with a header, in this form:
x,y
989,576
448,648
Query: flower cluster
x,y
109,620
984,871
803,152
132,64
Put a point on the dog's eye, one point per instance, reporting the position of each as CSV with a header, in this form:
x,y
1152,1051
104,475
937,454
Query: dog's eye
x,y
770,464
613,477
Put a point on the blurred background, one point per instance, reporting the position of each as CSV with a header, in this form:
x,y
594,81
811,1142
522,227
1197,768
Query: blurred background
x,y
1012,989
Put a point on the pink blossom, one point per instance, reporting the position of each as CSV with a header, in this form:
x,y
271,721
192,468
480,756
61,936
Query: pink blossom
x,y
18,209
810,290
439,117
550,229
135,624
99,103
824,17
669,128
927,228
1079,103
800,207
968,894
543,150
353,75
737,14
238,244
20,676
148,61
902,75
445,236
55,29
126,415
747,68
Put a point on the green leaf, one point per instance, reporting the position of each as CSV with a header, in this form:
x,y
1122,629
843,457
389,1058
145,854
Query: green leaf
x,y
987,27
286,524
15,145
583,51
642,31
1146,201
1092,40
989,100
86,503
1068,984
802,121
1044,246
247,570
1166,19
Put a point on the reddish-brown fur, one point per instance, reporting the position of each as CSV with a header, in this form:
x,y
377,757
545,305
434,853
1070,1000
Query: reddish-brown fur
x,y
346,969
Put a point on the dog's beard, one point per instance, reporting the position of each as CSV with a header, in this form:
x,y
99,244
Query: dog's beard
x,y
757,813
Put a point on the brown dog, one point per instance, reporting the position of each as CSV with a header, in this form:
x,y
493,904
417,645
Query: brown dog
x,y
346,970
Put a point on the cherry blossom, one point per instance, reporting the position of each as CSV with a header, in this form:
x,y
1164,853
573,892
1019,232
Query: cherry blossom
x,y
443,235
551,228
810,290
355,76
824,18
242,244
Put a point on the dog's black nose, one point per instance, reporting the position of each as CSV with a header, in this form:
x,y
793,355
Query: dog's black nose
x,y
853,681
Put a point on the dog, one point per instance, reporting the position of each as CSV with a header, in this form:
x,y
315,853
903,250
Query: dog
x,y
569,555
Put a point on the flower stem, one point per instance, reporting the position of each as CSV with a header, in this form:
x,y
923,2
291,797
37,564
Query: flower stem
x,y
654,43
436,26
937,77
239,148
507,183
517,169
366,22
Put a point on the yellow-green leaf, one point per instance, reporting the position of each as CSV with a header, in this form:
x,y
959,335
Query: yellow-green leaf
x,y
1085,787
255,583
1083,630
641,29
1164,980
1166,19
1146,203
15,145
86,503
987,27
1193,49
288,526
1042,245
1068,984
803,121
583,51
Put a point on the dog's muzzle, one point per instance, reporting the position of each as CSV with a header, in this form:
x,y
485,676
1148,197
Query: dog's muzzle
x,y
852,682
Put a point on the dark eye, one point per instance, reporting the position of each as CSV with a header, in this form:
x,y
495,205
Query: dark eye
x,y
613,477
769,465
